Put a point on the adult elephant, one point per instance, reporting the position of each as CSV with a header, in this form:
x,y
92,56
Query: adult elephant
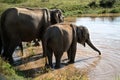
x,y
63,37
24,25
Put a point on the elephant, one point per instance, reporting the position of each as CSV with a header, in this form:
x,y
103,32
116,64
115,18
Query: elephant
x,y
19,25
63,37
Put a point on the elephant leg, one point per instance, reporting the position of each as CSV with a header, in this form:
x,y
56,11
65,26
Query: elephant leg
x,y
72,53
43,47
0,46
12,48
9,51
58,55
49,53
69,54
5,49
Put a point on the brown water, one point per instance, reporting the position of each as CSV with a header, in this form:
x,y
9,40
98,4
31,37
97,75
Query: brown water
x,y
105,35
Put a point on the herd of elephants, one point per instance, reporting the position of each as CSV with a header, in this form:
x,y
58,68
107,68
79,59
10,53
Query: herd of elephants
x,y
19,25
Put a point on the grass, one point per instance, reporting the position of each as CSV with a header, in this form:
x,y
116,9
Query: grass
x,y
7,72
64,74
69,7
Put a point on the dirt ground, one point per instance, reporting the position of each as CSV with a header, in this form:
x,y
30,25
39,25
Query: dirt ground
x,y
32,64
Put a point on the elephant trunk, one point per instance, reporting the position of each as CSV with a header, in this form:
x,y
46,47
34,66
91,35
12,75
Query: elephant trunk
x,y
92,46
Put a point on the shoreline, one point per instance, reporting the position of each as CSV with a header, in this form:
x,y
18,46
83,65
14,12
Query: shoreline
x,y
97,15
73,18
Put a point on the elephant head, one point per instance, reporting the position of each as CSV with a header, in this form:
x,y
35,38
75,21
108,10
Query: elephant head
x,y
83,37
56,16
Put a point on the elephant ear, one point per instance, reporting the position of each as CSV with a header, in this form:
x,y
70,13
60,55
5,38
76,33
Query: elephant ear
x,y
46,17
85,34
81,34
56,16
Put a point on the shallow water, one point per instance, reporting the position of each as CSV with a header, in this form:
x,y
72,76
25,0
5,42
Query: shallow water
x,y
105,35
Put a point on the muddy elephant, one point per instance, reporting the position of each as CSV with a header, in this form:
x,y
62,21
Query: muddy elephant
x,y
63,37
19,25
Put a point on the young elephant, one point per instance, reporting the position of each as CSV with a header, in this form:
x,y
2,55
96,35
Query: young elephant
x,y
63,37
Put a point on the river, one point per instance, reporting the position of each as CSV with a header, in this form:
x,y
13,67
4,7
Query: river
x,y
105,35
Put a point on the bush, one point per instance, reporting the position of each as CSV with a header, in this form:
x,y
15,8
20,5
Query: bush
x,y
107,3
115,11
92,4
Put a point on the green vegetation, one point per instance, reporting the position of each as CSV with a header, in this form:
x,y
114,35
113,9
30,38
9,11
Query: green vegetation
x,y
7,72
69,7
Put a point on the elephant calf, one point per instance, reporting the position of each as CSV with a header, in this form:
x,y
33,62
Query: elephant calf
x,y
62,38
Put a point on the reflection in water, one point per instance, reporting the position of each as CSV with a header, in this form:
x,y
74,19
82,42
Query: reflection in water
x,y
105,35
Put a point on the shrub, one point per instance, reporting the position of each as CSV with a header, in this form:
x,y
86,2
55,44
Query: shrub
x,y
92,4
107,3
115,11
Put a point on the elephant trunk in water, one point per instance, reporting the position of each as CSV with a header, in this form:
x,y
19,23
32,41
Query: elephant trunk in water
x,y
92,46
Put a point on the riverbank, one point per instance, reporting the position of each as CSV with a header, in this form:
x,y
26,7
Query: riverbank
x,y
70,8
98,15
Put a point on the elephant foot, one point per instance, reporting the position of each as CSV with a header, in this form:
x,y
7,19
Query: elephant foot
x,y
48,66
71,62
57,67
43,55
11,63
9,60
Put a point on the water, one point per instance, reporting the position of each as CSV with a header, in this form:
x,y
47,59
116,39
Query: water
x,y
105,35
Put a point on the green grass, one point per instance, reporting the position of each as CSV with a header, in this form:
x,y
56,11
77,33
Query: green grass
x,y
69,7
7,72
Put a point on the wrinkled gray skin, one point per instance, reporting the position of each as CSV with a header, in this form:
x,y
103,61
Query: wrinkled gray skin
x,y
63,37
19,25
